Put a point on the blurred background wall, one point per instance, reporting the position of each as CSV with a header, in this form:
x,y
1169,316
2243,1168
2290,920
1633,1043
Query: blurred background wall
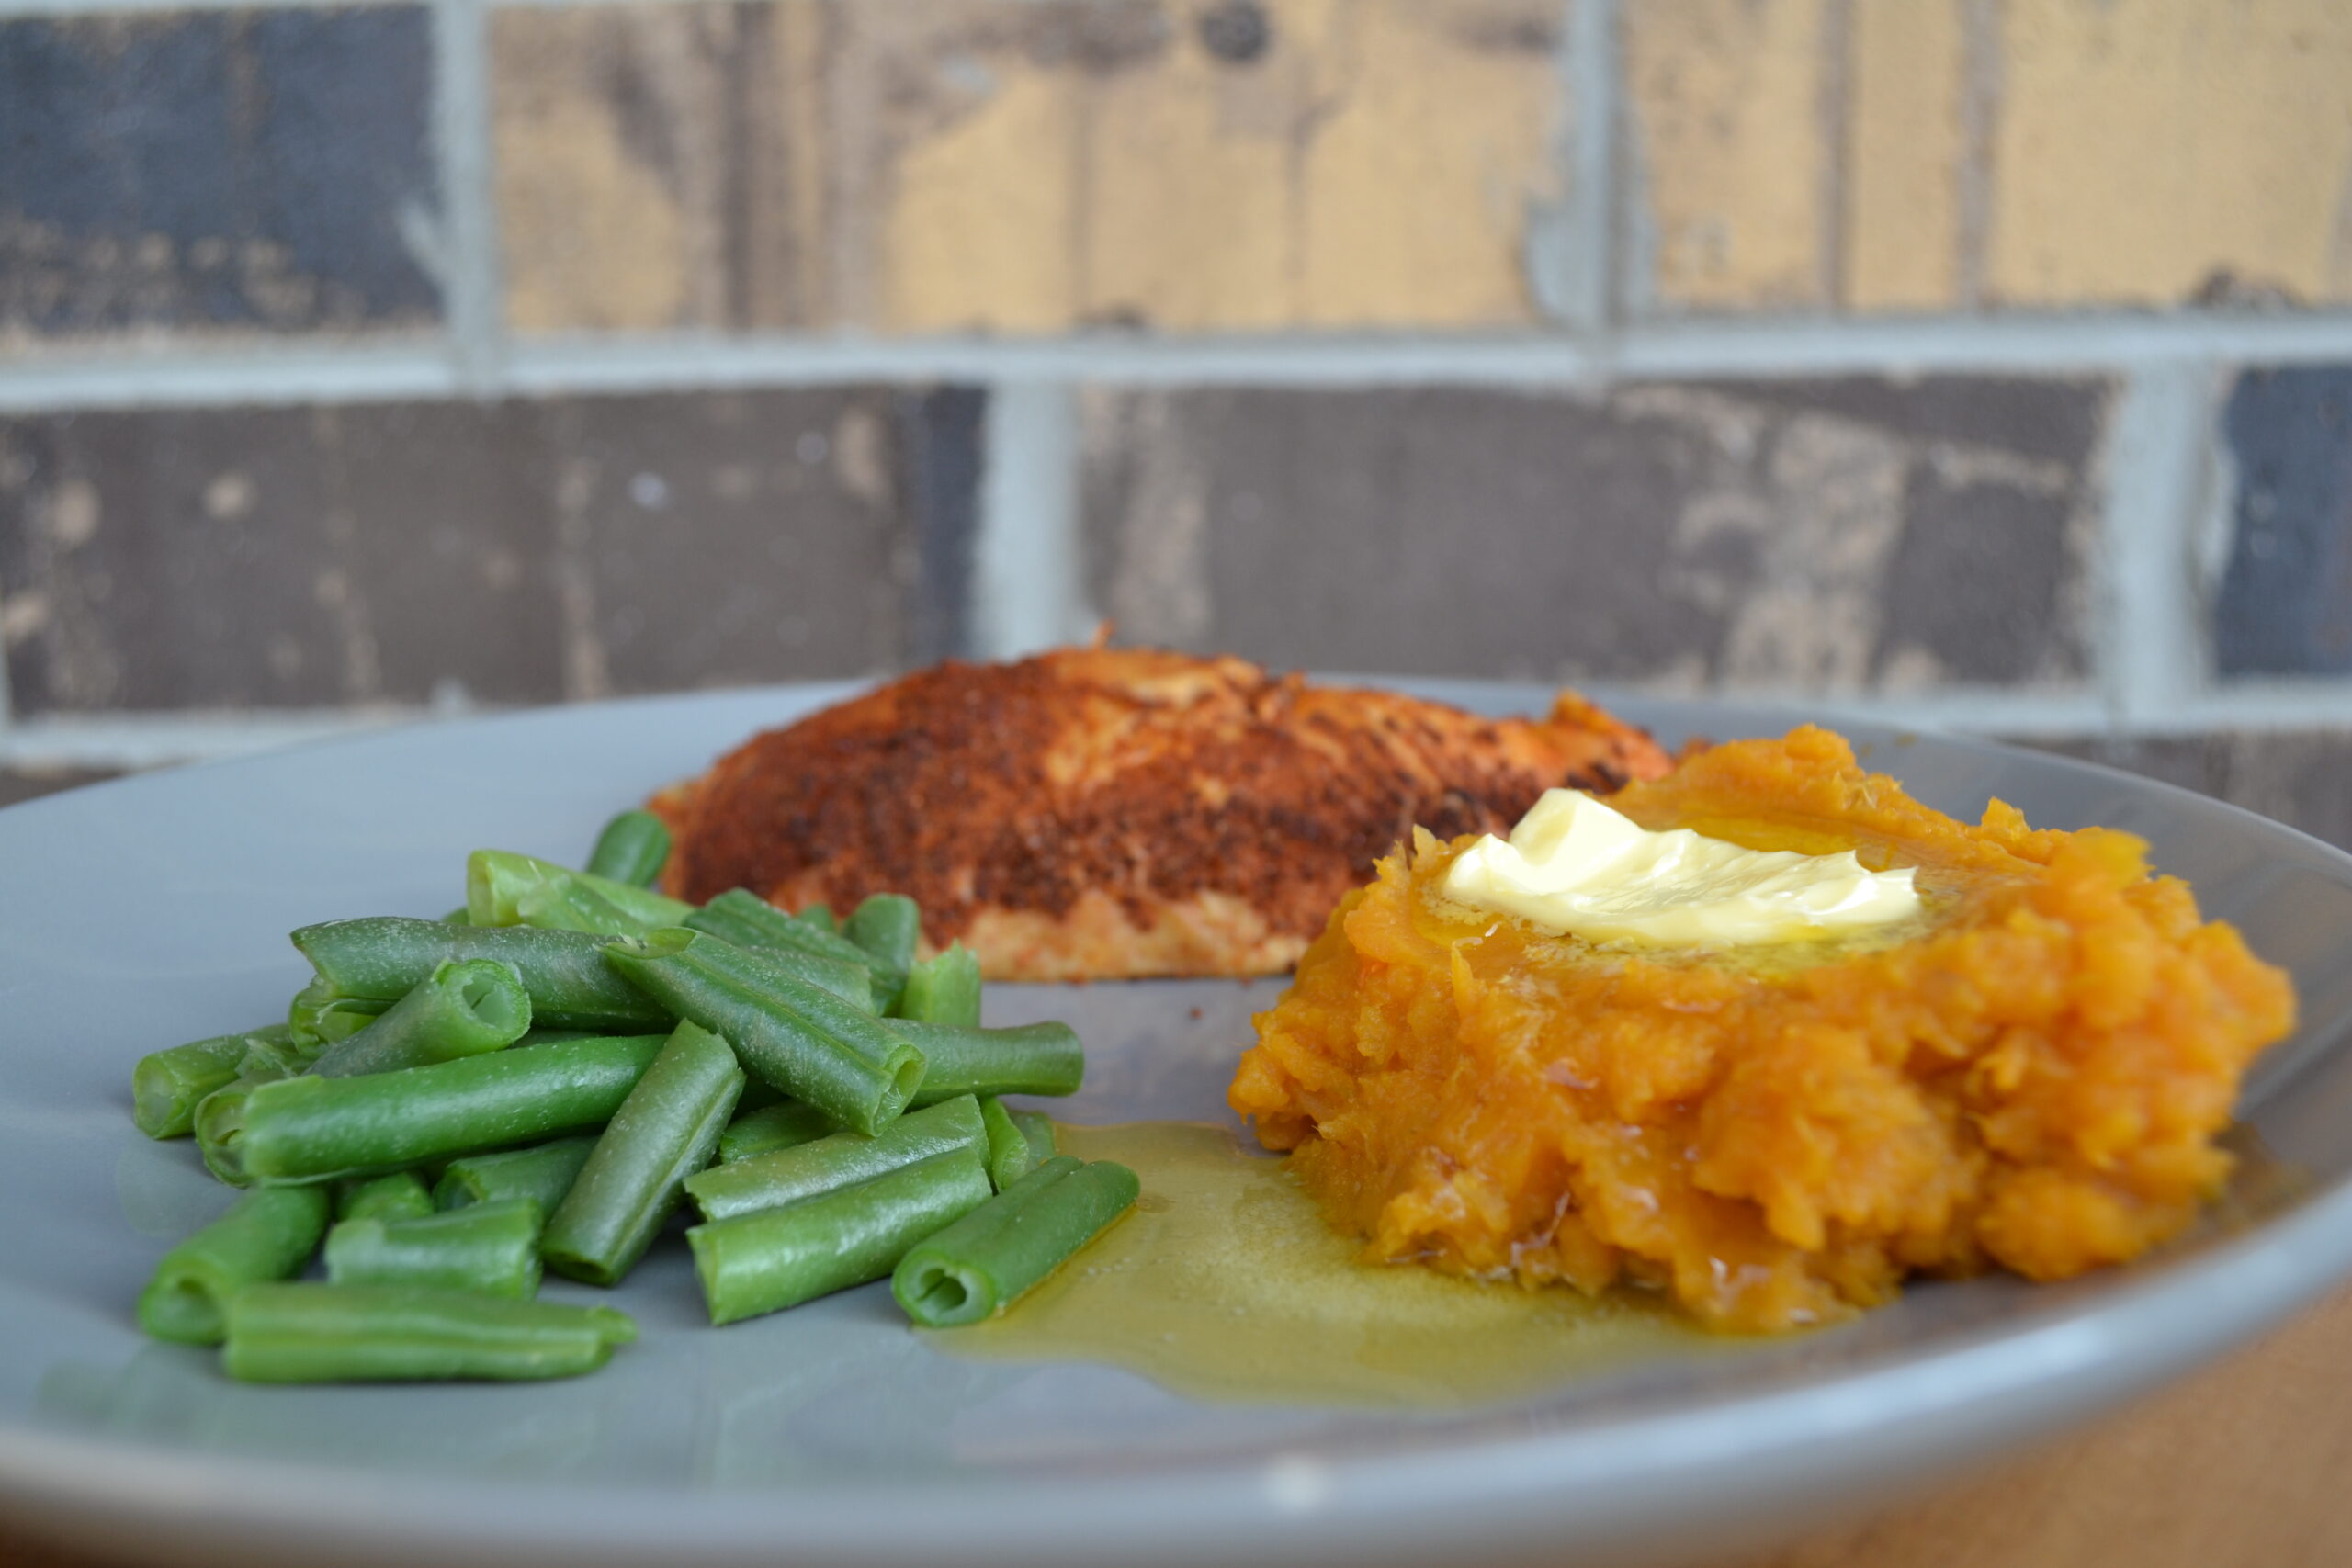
x,y
1979,362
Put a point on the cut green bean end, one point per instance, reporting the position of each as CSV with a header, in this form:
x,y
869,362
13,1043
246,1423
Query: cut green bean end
x,y
182,1310
937,1294
498,1000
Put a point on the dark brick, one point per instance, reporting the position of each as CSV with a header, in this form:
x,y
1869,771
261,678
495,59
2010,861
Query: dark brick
x,y
2303,778
518,551
2050,420
2285,606
1981,575
1832,536
940,436
266,169
250,558
729,538
30,784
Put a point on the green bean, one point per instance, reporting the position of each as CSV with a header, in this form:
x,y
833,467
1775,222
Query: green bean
x,y
1008,1155
945,989
888,926
550,1036
571,986
265,1235
762,966
310,1129
732,924
998,1253
318,1016
746,920
342,1019
821,917
492,1249
543,1173
1038,1128
808,1042
779,1258
400,1196
305,1333
633,848
167,1086
661,1134
1034,1058
219,1116
786,1125
841,1159
277,1051
464,1008
457,916
506,889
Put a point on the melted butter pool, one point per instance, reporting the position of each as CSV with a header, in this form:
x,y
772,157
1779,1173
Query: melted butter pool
x,y
1225,1282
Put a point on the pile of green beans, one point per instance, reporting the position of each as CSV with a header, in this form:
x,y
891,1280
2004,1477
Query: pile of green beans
x,y
454,1108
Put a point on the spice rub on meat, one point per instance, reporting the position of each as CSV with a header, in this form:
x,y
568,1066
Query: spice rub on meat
x,y
1094,813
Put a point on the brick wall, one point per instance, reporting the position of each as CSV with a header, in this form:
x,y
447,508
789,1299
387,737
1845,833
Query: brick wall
x,y
1979,362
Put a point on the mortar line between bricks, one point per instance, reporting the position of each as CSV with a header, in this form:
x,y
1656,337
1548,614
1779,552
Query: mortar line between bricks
x,y
1588,252
472,286
2036,346
213,379
1567,237
2151,640
1026,588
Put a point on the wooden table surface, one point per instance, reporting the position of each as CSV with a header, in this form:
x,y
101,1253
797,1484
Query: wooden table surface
x,y
2247,1463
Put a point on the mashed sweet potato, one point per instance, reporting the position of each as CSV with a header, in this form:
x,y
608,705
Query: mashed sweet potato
x,y
2031,1076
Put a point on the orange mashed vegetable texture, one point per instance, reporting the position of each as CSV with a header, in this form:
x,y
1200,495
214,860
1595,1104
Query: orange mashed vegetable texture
x,y
2032,1075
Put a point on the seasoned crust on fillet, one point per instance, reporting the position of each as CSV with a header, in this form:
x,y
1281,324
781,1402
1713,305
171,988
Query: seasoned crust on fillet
x,y
1098,813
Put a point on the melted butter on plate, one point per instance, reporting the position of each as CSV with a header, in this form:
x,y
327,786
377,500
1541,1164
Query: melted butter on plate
x,y
1227,1283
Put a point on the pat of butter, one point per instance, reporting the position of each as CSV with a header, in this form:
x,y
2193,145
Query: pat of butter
x,y
1574,866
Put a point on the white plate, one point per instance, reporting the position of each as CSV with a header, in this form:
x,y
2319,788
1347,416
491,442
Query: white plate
x,y
137,914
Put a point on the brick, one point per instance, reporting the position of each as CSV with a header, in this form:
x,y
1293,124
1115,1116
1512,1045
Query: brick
x,y
2048,422
1929,155
2285,604
1903,144
1843,535
2171,151
2303,778
513,552
31,783
210,170
728,539
265,558
1003,165
1729,161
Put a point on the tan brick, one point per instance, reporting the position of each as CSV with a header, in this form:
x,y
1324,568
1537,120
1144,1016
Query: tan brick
x,y
1905,149
2147,152
1731,167
1010,165
647,172
1943,154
